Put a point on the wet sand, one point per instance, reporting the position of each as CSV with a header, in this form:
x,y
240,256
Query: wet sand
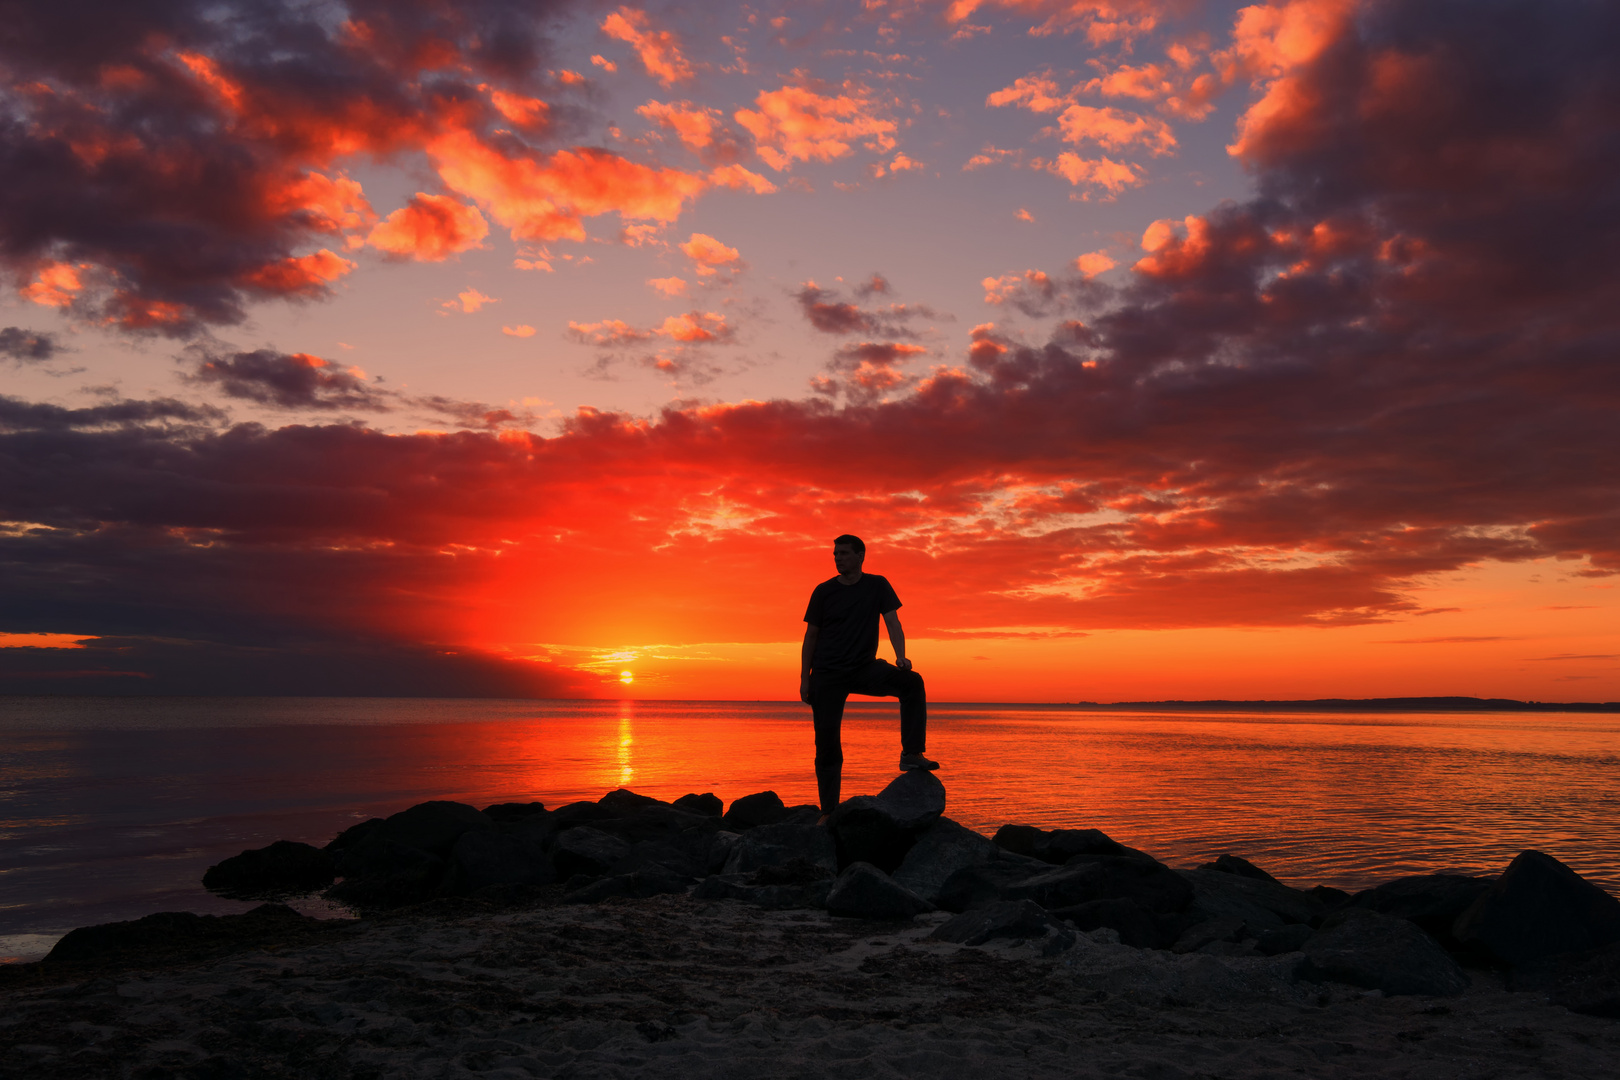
x,y
675,987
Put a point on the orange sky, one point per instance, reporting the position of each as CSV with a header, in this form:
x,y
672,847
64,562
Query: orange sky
x,y
1157,349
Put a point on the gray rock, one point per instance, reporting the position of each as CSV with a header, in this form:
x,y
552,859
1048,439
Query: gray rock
x,y
1220,928
985,883
1433,901
718,851
1538,908
1017,919
774,845
1217,893
751,811
282,868
482,858
1380,952
708,804
940,851
672,855
1058,846
1135,927
863,891
1150,885
880,829
1235,864
433,827
380,873
586,850
1287,939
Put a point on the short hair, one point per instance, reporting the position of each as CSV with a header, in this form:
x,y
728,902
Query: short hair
x,y
853,541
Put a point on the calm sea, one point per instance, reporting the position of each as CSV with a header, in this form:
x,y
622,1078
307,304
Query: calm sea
x,y
111,808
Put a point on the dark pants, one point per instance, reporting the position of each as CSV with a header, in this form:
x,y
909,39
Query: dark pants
x,y
828,692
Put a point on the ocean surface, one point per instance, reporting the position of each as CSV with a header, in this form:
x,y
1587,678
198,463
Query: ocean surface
x,y
112,808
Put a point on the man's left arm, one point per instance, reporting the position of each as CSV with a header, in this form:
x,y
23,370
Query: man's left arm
x,y
897,638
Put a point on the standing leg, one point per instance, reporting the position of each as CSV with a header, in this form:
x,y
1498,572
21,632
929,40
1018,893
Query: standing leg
x,y
827,696
882,679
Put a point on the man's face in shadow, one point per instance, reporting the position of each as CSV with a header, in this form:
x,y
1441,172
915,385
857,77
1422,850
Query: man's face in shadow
x,y
847,559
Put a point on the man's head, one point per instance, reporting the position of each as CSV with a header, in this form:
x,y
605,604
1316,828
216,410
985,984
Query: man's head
x,y
849,552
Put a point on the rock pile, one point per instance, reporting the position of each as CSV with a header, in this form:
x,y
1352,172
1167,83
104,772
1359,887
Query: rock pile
x,y
894,855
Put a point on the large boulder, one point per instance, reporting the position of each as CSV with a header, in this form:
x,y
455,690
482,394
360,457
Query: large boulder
x,y
1432,901
381,873
792,885
985,883
508,813
863,891
283,868
1017,919
638,884
776,845
586,850
657,821
1135,927
940,851
1236,864
1058,846
433,827
708,804
751,811
173,936
1380,952
624,801
880,829
1263,905
1151,886
483,858
1538,908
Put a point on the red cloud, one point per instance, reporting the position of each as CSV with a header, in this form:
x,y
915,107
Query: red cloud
x,y
798,124
660,50
429,228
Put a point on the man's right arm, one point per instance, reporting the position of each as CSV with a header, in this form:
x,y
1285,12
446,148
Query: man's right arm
x,y
806,655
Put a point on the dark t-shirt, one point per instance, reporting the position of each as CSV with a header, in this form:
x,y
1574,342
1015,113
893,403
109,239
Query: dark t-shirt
x,y
847,618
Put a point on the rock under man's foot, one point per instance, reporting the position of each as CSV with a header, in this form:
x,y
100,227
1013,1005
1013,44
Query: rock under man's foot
x,y
916,761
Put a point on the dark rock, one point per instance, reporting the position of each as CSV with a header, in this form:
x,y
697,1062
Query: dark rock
x,y
433,827
985,883
1286,939
654,881
685,859
1136,928
179,936
774,845
863,891
1330,898
352,836
1018,919
1264,905
750,811
484,858
577,813
1581,982
282,868
880,829
658,821
708,804
623,801
503,813
1235,864
1538,908
940,851
1220,928
766,894
1058,846
381,873
803,814
586,850
1150,885
1380,952
1433,901
794,872
718,851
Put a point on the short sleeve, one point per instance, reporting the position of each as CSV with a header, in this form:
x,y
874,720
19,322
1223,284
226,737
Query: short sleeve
x,y
812,614
887,600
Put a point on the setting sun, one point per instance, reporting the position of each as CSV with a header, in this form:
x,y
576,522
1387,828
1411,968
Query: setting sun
x,y
627,677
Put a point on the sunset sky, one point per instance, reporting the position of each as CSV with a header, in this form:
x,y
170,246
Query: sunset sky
x,y
1158,349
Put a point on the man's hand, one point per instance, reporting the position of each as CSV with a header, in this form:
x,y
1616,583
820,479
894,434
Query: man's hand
x,y
903,664
804,689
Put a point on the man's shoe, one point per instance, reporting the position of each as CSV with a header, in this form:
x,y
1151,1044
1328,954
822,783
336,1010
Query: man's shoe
x,y
916,761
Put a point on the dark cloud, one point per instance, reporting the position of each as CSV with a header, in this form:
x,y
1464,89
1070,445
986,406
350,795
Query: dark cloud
x,y
831,314
27,346
286,380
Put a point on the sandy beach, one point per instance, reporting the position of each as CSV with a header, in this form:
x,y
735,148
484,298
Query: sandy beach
x,y
524,986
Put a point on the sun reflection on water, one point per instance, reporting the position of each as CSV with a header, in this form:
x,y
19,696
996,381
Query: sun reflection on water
x,y
627,743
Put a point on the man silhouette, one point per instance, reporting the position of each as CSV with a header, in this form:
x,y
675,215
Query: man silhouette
x,y
839,658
